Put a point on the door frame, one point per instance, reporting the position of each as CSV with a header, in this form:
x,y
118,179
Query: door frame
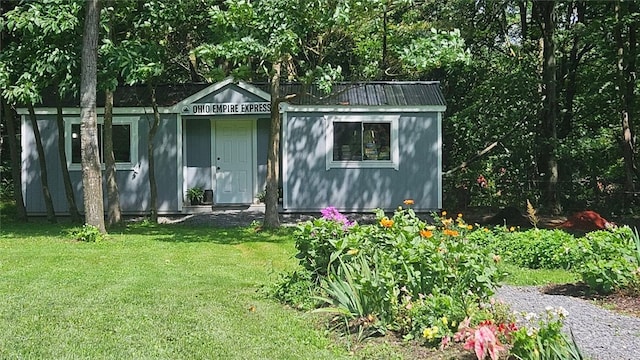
x,y
253,128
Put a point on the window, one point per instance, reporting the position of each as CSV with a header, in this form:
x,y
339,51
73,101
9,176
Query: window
x,y
362,141
124,151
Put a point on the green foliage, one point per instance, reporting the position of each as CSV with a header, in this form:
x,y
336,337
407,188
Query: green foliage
x,y
606,260
379,271
438,49
86,233
534,248
6,182
295,288
611,261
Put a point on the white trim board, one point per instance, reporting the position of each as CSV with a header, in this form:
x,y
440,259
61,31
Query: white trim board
x,y
364,109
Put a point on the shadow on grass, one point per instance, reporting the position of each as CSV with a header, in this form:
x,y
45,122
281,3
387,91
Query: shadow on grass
x,y
177,233
207,233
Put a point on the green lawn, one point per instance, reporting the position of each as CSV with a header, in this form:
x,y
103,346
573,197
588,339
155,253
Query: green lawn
x,y
149,292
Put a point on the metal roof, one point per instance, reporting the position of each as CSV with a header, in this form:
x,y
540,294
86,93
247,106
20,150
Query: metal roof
x,y
391,93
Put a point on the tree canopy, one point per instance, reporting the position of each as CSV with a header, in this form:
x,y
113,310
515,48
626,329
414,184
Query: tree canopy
x,y
528,84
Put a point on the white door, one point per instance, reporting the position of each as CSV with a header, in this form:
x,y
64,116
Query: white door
x,y
233,162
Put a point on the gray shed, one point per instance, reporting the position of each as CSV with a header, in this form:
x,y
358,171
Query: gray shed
x,y
365,146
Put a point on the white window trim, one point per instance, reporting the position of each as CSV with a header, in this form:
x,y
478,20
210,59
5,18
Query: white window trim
x,y
117,120
366,118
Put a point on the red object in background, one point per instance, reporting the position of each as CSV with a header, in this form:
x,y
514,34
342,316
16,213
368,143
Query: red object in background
x,y
482,182
586,221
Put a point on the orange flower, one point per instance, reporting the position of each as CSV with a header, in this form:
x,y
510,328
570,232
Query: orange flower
x,y
469,227
386,222
409,202
450,232
426,233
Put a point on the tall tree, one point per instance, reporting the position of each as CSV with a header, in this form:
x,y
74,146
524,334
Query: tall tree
x,y
549,136
109,80
625,67
114,212
66,178
91,169
44,178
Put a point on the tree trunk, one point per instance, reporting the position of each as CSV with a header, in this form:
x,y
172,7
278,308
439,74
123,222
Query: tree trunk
x,y
48,202
91,170
623,75
523,20
153,129
271,218
114,213
550,106
14,154
66,179
570,85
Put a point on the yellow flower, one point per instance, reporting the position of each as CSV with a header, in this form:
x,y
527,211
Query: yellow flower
x,y
386,222
469,227
459,215
352,252
430,333
445,321
409,202
426,233
444,213
512,229
485,229
430,227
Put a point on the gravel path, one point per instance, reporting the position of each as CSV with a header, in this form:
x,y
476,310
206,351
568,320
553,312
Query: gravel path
x,y
600,333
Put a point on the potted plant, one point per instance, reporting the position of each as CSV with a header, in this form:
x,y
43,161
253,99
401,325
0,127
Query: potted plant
x,y
195,195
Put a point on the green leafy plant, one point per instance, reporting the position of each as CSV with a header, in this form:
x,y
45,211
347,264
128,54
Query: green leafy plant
x,y
86,233
295,288
611,261
195,195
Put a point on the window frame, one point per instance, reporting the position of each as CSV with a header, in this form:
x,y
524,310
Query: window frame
x,y
117,120
392,163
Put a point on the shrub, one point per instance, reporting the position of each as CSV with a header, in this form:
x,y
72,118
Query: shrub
x,y
87,233
296,288
533,248
611,260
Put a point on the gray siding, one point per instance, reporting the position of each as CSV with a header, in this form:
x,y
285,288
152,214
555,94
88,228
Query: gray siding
x,y
230,94
133,184
311,187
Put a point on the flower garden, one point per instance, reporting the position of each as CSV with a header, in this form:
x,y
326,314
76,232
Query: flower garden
x,y
432,282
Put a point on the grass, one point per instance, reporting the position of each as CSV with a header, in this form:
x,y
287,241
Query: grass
x,y
522,276
149,292
163,292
